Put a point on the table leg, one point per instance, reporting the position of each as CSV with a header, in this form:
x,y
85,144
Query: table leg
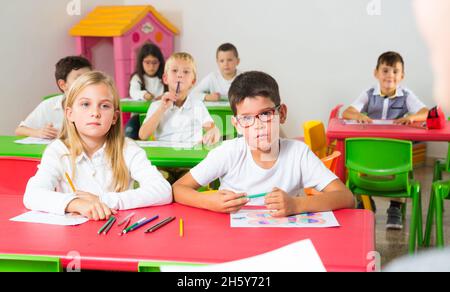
x,y
340,169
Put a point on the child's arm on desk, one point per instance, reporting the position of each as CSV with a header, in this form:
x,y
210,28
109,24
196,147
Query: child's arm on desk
x,y
352,113
48,132
420,116
334,197
185,192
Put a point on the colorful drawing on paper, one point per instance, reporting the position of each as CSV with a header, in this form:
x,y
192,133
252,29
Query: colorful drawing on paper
x,y
263,218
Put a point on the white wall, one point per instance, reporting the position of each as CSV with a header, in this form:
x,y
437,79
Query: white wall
x,y
322,52
35,35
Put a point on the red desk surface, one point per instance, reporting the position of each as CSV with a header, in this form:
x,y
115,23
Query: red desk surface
x,y
339,131
208,239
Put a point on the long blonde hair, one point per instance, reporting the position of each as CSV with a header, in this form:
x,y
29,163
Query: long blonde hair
x,y
115,139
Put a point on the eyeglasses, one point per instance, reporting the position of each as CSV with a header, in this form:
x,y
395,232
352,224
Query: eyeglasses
x,y
265,117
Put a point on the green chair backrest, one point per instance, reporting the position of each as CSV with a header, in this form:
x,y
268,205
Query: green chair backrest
x,y
381,165
24,263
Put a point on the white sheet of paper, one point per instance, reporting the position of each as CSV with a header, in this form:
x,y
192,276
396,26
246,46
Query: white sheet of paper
x,y
163,144
217,103
33,141
300,256
51,219
263,219
375,122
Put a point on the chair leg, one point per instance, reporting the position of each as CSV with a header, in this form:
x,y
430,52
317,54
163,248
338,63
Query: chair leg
x,y
437,173
439,219
420,221
415,236
430,217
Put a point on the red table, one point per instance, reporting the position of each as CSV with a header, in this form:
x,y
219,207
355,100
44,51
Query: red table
x,y
339,131
208,238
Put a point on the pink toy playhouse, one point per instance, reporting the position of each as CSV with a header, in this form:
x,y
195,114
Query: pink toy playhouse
x,y
128,28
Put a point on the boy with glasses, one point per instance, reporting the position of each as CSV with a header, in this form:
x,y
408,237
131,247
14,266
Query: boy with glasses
x,y
260,162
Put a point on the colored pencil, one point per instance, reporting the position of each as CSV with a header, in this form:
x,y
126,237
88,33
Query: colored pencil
x,y
70,182
134,225
144,223
257,196
110,225
160,224
181,227
106,225
178,88
126,219
125,227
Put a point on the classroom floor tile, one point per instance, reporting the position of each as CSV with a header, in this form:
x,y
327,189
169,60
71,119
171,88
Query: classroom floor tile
x,y
392,244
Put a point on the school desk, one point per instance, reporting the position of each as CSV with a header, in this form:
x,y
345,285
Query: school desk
x,y
141,106
160,157
339,131
208,239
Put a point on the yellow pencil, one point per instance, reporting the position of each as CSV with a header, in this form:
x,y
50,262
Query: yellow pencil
x,y
181,228
70,183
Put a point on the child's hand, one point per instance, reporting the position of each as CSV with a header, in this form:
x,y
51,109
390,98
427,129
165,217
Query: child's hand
x,y
211,137
167,101
48,132
227,202
94,210
148,96
363,119
87,196
213,97
404,121
280,202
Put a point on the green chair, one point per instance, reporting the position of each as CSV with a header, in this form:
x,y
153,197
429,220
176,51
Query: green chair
x,y
22,263
383,168
439,192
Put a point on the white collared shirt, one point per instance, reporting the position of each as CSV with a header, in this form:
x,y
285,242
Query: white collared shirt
x,y
49,191
181,124
49,111
212,83
413,103
153,85
297,167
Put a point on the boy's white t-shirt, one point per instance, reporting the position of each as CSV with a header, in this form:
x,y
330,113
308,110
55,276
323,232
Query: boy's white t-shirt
x,y
297,167
181,124
153,85
49,111
212,83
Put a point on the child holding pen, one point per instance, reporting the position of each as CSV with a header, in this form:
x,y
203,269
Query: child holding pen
x,y
261,162
178,117
102,163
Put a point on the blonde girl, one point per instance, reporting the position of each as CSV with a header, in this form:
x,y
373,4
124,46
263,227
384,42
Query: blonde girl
x,y
94,153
